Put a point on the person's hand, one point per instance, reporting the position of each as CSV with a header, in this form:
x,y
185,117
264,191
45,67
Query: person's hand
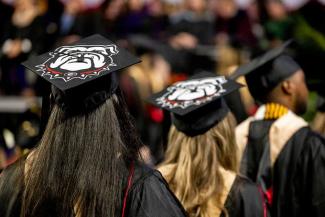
x,y
184,40
15,49
73,7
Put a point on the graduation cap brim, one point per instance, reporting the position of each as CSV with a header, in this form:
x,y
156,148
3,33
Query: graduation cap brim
x,y
226,87
54,66
145,43
260,61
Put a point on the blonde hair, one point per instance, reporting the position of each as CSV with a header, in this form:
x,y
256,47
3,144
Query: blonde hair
x,y
196,178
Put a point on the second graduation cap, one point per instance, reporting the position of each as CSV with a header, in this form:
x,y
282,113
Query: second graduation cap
x,y
196,104
79,72
268,70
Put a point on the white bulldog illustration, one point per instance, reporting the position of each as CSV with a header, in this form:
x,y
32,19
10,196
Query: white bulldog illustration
x,y
78,62
192,92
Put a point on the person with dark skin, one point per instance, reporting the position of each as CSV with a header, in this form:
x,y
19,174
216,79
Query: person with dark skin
x,y
87,161
291,93
278,150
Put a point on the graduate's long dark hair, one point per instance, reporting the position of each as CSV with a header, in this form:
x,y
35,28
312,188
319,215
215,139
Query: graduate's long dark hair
x,y
81,164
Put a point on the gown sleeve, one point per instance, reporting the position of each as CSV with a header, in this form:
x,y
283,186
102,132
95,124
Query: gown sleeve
x,y
309,180
318,182
245,200
150,196
11,182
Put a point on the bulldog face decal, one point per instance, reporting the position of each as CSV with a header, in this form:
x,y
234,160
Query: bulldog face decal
x,y
192,92
78,62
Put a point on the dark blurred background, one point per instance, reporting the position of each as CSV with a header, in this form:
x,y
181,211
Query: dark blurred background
x,y
174,38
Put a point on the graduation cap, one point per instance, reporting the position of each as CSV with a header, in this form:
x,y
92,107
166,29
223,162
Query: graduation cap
x,y
267,71
81,73
196,104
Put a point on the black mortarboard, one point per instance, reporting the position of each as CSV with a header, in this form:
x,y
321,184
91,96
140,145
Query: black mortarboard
x,y
78,72
267,71
196,104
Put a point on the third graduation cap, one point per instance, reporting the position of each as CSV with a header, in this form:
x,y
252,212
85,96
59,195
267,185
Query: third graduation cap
x,y
268,70
79,71
196,104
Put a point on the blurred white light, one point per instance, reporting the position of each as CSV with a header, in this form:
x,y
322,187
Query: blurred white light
x,y
294,4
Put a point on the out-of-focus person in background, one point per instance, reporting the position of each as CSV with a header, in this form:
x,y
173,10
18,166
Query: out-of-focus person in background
x,y
192,36
19,127
200,163
113,12
23,31
279,25
80,19
158,20
150,76
192,26
232,24
135,17
23,36
71,9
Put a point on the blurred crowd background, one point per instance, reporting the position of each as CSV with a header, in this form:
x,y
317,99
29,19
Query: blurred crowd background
x,y
174,38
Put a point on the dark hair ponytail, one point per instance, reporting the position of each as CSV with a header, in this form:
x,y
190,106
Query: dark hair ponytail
x,y
81,164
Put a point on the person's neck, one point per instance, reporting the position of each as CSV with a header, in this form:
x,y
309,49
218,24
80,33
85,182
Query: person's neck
x,y
282,102
274,110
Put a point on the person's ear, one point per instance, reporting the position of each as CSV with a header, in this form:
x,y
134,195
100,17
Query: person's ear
x,y
287,87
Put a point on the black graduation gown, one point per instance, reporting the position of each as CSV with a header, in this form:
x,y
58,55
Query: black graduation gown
x,y
244,200
148,195
287,159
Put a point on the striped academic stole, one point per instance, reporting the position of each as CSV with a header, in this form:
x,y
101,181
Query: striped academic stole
x,y
274,111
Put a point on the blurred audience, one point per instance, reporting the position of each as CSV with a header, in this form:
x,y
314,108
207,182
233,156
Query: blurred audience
x,y
178,38
23,36
192,26
232,25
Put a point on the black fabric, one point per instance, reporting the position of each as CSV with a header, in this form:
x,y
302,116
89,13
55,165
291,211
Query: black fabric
x,y
256,162
263,79
236,106
297,176
201,120
149,195
86,97
244,199
272,73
